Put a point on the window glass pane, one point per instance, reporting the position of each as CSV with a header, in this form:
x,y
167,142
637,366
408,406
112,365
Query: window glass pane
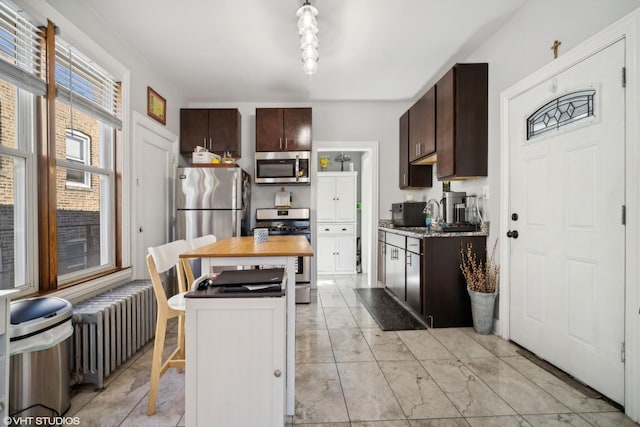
x,y
76,177
75,149
82,215
74,130
13,220
8,116
77,152
16,133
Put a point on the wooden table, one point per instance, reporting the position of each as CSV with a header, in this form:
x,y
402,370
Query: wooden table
x,y
277,250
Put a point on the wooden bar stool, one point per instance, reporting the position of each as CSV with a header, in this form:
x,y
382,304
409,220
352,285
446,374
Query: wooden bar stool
x,y
160,259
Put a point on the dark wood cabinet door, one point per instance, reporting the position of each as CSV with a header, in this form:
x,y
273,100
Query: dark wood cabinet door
x,y
224,131
297,129
269,123
404,150
194,129
422,137
411,176
445,300
462,121
445,124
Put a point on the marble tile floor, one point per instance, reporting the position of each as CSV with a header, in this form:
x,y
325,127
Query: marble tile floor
x,y
349,373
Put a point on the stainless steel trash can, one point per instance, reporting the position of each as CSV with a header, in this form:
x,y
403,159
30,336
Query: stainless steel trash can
x,y
40,340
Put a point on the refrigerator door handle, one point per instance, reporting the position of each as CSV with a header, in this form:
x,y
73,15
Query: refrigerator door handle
x,y
234,223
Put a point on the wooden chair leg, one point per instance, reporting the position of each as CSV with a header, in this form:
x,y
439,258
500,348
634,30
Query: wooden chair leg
x,y
181,341
156,364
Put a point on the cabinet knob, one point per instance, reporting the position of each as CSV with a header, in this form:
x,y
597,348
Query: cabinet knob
x,y
277,373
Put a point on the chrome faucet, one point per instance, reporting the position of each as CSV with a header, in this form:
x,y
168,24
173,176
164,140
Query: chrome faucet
x,y
433,207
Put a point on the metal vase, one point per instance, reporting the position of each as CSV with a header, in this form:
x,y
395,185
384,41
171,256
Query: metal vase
x,y
482,304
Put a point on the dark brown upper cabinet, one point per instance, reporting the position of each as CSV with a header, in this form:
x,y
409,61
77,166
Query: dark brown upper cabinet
x,y
411,175
283,129
217,129
461,122
422,129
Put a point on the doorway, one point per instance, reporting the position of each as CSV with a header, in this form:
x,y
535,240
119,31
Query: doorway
x,y
567,264
368,210
621,42
153,188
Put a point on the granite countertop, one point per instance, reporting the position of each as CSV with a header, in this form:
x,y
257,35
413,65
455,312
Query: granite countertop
x,y
420,232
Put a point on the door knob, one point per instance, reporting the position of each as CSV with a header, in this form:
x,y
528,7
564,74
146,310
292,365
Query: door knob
x,y
277,373
512,234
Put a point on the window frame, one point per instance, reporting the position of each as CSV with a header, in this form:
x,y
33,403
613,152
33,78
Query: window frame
x,y
42,164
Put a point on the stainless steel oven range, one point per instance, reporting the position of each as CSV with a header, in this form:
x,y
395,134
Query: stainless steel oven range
x,y
287,222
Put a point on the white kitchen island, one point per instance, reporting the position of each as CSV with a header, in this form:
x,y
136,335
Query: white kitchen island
x,y
257,326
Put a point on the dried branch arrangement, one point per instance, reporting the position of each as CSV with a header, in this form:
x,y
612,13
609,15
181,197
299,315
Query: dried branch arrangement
x,y
480,276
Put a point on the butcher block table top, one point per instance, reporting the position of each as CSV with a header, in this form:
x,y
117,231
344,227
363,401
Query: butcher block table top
x,y
246,247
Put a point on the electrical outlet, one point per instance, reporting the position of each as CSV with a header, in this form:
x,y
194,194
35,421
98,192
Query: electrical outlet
x,y
485,192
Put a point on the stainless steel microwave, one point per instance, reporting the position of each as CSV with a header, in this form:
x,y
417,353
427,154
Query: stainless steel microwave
x,y
282,167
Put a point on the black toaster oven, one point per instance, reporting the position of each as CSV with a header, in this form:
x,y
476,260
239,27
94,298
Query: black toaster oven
x,y
408,214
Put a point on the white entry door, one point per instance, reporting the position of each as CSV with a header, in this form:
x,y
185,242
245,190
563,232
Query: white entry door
x,y
154,172
567,184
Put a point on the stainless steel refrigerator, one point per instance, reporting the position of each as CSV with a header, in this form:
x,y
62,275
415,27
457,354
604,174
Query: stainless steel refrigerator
x,y
212,200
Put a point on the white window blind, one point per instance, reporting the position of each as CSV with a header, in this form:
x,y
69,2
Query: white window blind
x,y
21,47
86,86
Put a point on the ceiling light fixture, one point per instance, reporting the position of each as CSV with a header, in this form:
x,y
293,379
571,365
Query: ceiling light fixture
x,y
308,30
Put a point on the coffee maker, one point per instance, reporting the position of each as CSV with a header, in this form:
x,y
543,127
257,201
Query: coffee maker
x,y
453,206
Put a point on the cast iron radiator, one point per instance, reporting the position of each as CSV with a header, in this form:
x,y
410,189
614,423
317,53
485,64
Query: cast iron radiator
x,y
109,328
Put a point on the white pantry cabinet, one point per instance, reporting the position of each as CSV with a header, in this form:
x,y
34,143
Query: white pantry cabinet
x,y
336,222
336,248
337,196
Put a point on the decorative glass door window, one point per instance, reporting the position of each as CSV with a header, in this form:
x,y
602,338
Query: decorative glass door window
x,y
560,112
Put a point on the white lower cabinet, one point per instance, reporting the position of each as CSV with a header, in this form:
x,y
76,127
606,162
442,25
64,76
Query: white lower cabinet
x,y
235,362
336,249
5,353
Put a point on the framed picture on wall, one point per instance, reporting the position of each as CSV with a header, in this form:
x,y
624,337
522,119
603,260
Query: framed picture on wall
x,y
156,106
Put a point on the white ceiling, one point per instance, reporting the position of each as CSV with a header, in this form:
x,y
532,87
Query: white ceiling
x,y
248,50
